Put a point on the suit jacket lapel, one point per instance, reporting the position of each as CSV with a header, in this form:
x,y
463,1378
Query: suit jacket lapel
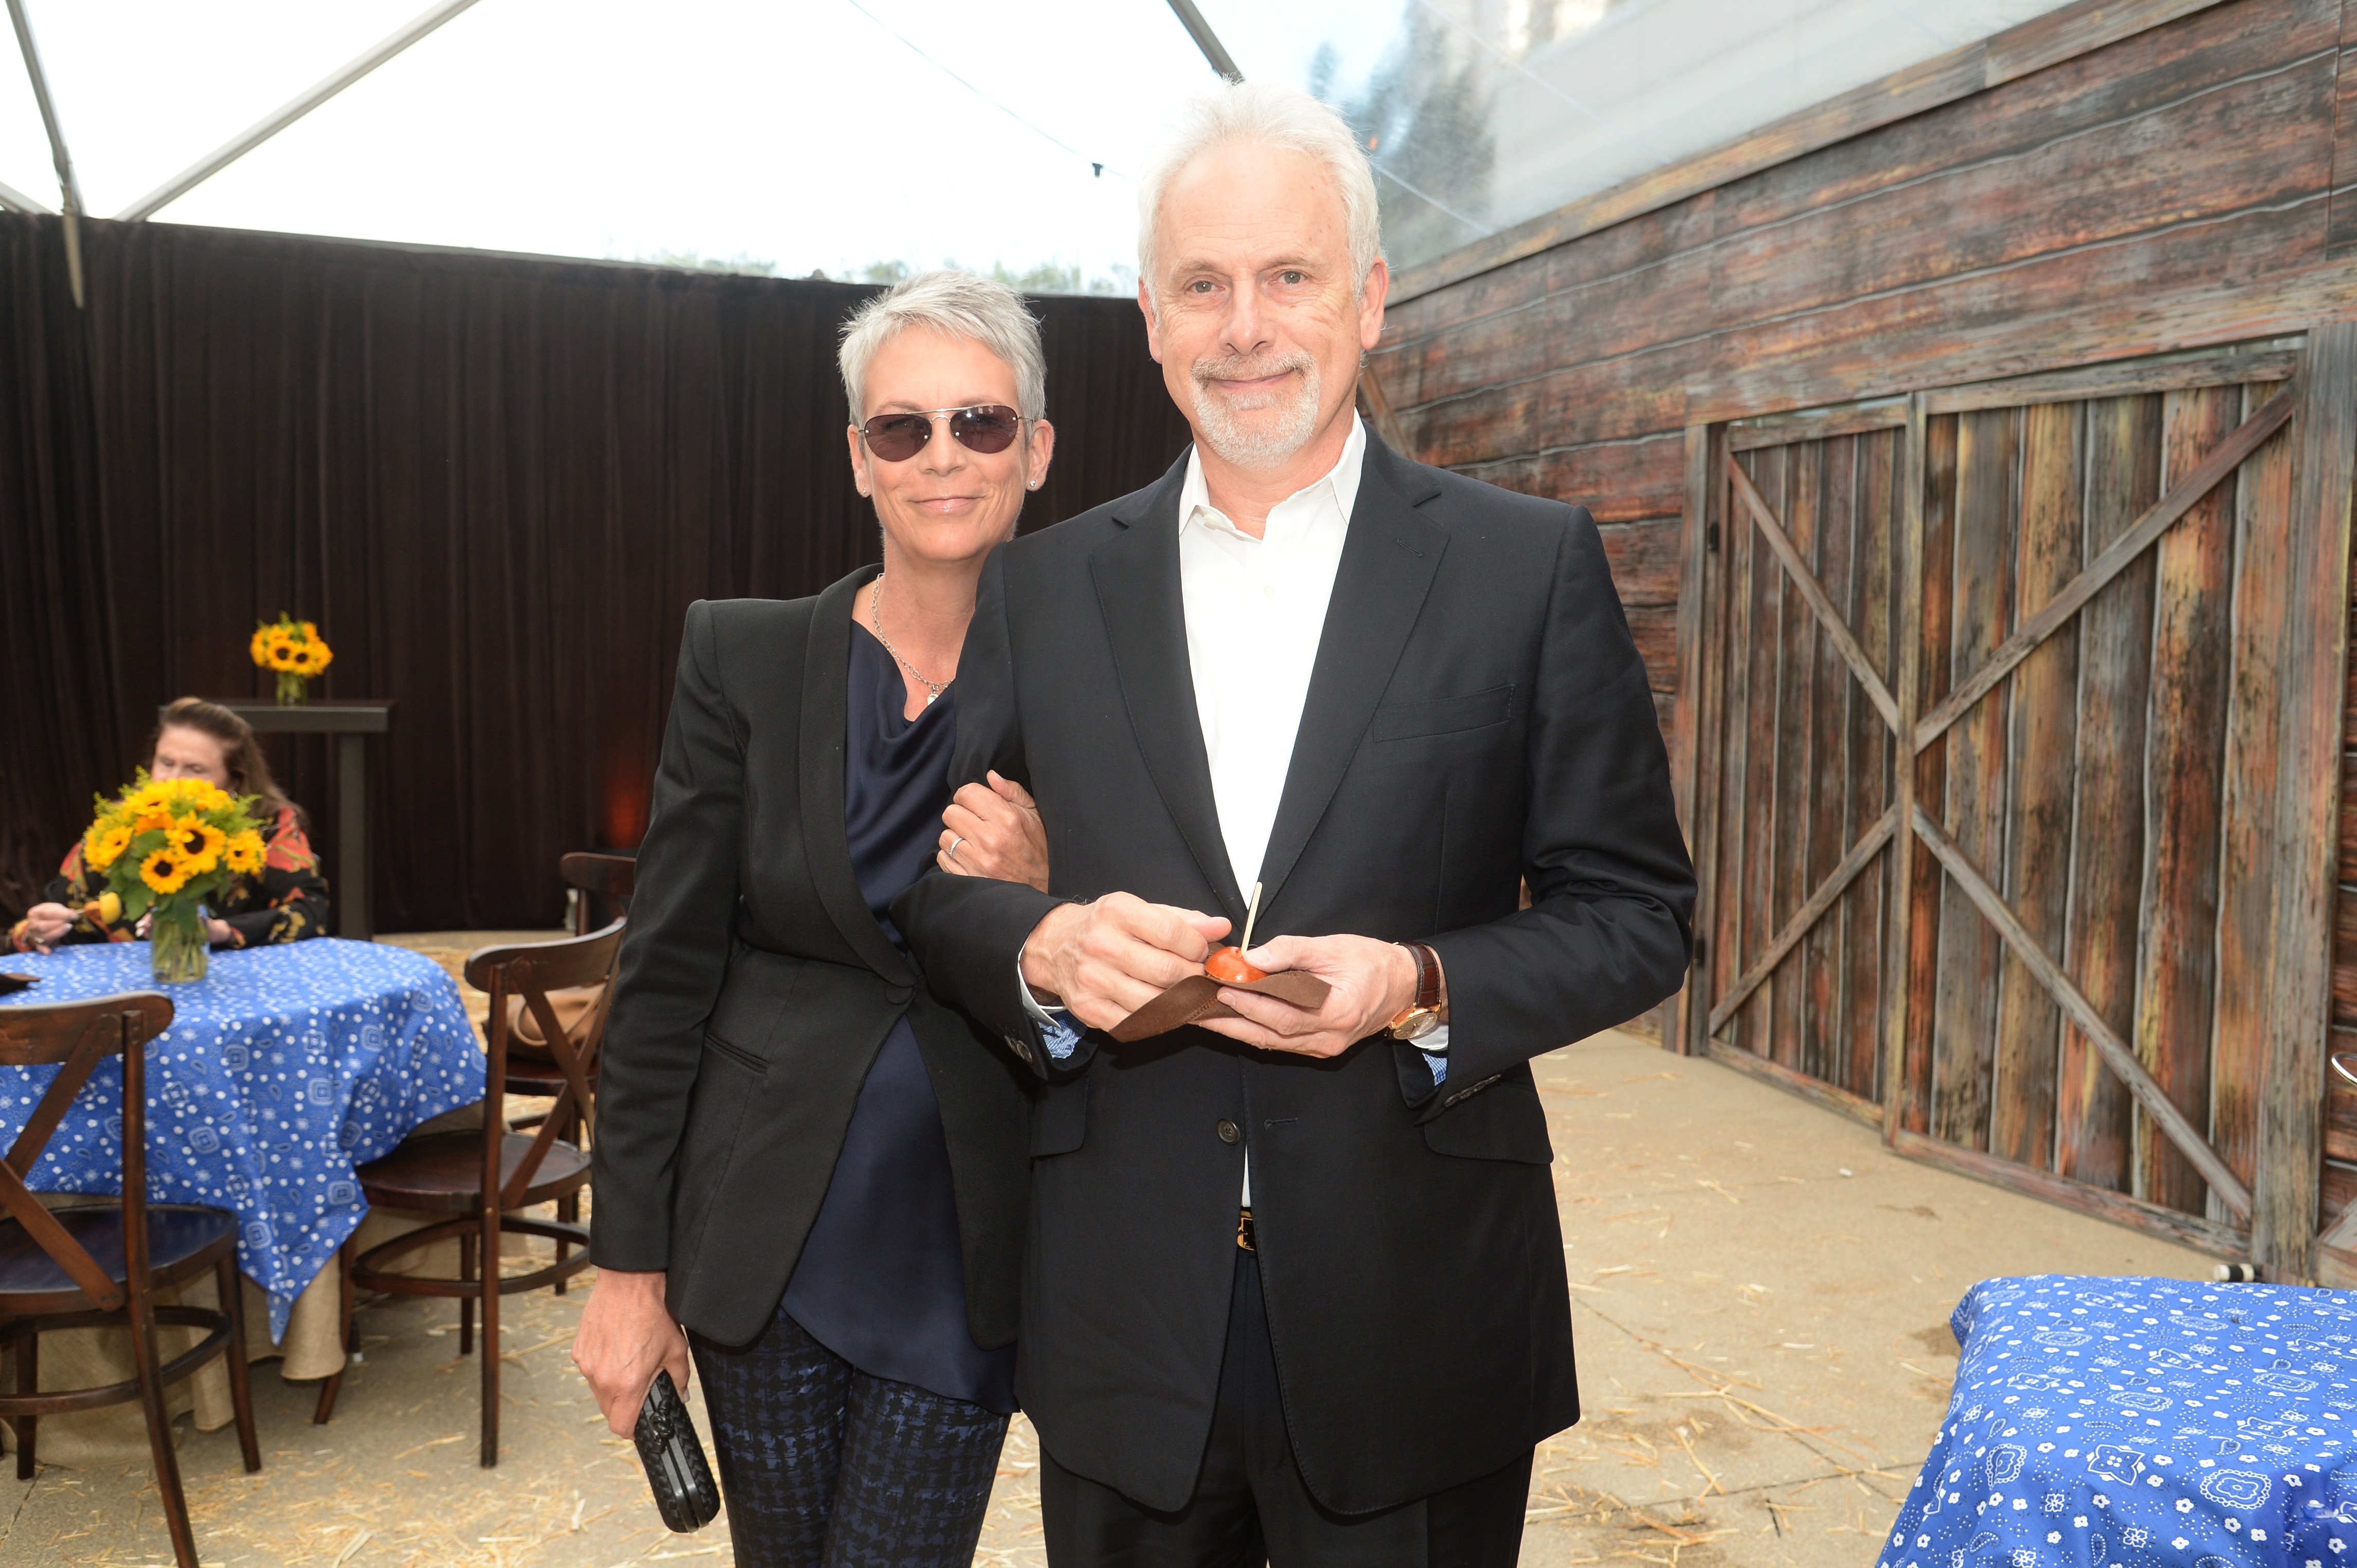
x,y
1136,575
825,701
1388,562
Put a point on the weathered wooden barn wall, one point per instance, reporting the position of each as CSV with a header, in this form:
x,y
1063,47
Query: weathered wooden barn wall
x,y
2111,182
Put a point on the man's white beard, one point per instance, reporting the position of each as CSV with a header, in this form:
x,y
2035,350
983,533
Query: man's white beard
x,y
1265,436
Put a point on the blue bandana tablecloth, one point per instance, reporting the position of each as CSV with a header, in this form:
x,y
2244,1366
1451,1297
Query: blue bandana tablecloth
x,y
284,1069
2141,1423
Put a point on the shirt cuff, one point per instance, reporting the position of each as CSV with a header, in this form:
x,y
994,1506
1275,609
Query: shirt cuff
x,y
1057,1030
1434,1047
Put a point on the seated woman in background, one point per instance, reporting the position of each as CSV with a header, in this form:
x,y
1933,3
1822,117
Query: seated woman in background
x,y
285,901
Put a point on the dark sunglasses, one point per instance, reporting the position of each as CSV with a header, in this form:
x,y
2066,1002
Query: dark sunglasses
x,y
987,428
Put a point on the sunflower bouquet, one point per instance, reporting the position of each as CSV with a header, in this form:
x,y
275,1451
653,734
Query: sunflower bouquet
x,y
163,846
294,649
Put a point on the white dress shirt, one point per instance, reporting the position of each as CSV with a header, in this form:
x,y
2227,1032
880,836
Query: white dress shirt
x,y
1255,609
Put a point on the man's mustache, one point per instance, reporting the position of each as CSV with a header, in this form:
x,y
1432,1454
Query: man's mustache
x,y
1248,368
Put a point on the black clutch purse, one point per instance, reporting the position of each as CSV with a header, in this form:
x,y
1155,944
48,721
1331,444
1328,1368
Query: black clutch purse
x,y
665,1434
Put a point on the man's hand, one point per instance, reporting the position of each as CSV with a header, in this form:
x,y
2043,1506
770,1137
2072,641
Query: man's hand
x,y
627,1336
1104,960
994,830
1372,984
45,924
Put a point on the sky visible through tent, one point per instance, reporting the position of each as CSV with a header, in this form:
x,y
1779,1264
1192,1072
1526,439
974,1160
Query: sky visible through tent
x,y
864,137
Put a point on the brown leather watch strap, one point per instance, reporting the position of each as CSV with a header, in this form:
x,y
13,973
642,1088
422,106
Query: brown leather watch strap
x,y
1428,975
1427,987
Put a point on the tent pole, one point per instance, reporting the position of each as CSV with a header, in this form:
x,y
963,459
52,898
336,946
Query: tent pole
x,y
70,190
220,157
1205,39
15,200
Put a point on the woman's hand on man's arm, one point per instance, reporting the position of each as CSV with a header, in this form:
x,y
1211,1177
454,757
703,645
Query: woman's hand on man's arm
x,y
993,829
627,1336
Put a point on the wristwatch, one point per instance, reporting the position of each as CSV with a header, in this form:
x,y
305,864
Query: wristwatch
x,y
1421,1016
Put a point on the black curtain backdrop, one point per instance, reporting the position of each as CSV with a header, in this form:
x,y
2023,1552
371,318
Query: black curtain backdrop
x,y
496,483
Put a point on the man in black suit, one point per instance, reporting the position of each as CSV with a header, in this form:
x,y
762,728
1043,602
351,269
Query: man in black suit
x,y
1294,1284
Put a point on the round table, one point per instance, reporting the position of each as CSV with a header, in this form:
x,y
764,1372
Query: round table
x,y
284,1069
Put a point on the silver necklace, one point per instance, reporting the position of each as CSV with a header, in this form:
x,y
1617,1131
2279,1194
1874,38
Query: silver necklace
x,y
933,689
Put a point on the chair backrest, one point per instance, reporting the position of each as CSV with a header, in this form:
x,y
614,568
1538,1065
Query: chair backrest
x,y
612,877
75,1037
531,971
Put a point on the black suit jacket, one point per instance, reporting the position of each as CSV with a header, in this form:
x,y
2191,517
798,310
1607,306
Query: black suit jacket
x,y
756,989
1477,715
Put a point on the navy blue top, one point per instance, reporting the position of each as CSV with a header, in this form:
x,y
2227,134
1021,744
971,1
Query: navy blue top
x,y
881,1280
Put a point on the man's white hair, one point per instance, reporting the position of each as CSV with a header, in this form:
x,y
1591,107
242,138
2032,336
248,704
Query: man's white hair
x,y
956,303
1272,115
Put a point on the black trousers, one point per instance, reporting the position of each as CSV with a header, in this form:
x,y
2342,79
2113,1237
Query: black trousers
x,y
823,1466
1250,1507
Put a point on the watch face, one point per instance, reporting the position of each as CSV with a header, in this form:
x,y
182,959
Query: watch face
x,y
1419,1023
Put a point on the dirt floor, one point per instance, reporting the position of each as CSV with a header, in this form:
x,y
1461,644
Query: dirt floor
x,y
1761,1292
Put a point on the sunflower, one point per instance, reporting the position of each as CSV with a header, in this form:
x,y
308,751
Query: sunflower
x,y
245,854
197,843
321,656
154,820
310,631
165,872
259,646
149,797
105,845
299,658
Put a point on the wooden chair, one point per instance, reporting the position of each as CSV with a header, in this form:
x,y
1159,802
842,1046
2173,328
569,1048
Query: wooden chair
x,y
609,876
99,1266
481,1178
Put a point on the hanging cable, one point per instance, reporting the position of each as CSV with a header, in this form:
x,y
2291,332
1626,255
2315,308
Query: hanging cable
x,y
1097,164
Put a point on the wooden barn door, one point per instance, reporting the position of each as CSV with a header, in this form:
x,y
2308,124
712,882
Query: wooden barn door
x,y
1807,750
2002,688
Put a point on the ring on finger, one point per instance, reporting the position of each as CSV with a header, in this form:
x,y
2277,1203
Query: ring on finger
x,y
955,841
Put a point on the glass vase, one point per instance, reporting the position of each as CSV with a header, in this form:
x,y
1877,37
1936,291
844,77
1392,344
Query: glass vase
x,y
176,946
293,689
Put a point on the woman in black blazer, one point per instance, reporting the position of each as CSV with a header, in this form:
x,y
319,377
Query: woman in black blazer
x,y
803,1158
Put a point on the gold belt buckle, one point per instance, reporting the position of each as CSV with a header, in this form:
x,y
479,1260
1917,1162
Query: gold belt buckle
x,y
1244,1230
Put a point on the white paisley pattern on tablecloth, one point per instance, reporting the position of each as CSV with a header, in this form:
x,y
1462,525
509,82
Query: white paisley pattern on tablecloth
x,y
2142,1422
284,1070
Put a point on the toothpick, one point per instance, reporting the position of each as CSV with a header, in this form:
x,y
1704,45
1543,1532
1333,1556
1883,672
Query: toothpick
x,y
1251,915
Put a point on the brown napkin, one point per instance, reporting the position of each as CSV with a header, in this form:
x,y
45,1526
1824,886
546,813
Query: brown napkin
x,y
1197,997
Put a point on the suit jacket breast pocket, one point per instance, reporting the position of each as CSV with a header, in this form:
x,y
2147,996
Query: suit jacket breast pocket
x,y
1499,1120
1059,1121
1442,716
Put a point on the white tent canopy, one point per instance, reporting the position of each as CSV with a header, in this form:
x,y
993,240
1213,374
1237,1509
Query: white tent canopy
x,y
857,136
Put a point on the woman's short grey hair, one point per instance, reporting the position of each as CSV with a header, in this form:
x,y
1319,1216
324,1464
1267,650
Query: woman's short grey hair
x,y
956,303
1274,115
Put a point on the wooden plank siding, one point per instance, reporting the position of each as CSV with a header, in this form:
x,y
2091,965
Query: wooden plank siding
x,y
2301,871
1973,809
1959,348
2107,860
1848,273
2185,729
2042,746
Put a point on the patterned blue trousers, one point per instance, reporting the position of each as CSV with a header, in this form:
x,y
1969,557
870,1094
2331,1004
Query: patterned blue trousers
x,y
823,1466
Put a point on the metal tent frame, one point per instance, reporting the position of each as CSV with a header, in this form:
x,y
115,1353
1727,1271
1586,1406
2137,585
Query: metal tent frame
x,y
212,163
